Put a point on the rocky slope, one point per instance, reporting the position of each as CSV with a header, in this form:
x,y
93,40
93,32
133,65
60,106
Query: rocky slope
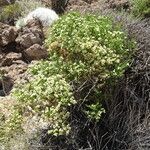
x,y
17,49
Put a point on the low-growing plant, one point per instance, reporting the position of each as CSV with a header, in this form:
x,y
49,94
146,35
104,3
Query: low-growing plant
x,y
141,8
81,48
10,126
49,97
94,111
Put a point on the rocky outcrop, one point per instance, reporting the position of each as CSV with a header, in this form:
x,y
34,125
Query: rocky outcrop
x,y
18,47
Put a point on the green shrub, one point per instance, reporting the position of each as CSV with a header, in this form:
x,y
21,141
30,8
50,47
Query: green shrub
x,y
141,7
81,48
49,97
94,111
10,126
95,41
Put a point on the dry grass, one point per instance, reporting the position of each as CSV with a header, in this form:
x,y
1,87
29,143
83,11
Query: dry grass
x,y
6,103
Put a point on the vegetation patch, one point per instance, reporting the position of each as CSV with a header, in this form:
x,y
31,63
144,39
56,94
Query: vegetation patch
x,y
86,52
141,8
14,11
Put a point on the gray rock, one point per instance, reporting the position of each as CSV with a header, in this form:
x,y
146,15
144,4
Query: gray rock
x,y
8,34
6,84
10,57
35,52
31,34
6,2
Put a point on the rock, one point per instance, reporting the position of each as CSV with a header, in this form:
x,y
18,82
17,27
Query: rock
x,y
1,53
119,4
34,23
28,40
6,62
6,84
6,2
35,52
19,62
1,42
1,56
16,70
15,43
8,34
31,34
10,57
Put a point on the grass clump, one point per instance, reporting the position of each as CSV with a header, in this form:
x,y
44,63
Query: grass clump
x,y
19,9
10,12
141,8
29,5
85,51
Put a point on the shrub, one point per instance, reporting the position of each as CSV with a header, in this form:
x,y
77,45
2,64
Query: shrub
x,y
83,49
141,7
49,97
101,47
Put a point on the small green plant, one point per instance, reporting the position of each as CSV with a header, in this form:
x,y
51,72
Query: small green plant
x,y
94,111
141,8
11,125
